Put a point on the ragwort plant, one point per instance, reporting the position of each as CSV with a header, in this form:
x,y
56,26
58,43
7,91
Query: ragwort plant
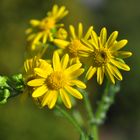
x,y
55,80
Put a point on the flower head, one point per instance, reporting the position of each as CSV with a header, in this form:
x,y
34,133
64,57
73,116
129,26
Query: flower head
x,y
74,45
32,63
104,56
43,30
57,81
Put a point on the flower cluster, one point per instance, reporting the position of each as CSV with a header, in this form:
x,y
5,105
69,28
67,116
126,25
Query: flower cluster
x,y
58,74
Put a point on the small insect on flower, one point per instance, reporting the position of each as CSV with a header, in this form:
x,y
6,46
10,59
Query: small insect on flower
x,y
74,44
104,56
44,30
57,80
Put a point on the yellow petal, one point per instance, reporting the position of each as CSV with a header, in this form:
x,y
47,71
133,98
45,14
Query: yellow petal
x,y
34,22
61,11
87,44
56,61
84,53
37,38
115,72
91,71
31,37
80,30
64,61
88,34
46,98
72,32
112,39
73,68
74,92
109,74
55,9
120,65
119,45
78,83
61,43
122,54
40,72
103,36
39,91
29,30
94,39
26,65
53,99
36,82
76,73
65,98
45,36
74,60
100,75
43,64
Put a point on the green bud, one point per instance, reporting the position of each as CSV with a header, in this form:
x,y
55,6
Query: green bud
x,y
4,95
17,78
3,81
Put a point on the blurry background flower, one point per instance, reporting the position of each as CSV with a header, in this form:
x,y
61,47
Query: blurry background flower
x,y
45,29
26,121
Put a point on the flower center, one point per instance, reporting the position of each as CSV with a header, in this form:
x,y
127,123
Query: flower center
x,y
56,80
100,57
74,46
47,23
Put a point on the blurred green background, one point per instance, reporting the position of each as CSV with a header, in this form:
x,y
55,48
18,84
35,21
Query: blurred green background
x,y
22,119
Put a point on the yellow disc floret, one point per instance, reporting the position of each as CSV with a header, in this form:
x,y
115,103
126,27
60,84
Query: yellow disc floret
x,y
56,80
100,57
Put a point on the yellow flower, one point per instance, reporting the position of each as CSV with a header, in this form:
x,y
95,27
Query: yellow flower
x,y
74,45
57,81
43,30
104,56
32,63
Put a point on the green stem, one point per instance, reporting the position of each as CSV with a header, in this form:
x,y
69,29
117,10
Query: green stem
x,y
93,126
43,51
106,101
71,119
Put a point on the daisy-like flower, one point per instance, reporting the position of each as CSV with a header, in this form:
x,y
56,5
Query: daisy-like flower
x,y
57,81
32,63
74,45
43,30
104,56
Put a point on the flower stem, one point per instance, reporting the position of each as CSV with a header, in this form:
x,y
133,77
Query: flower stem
x,y
71,119
106,101
43,51
93,126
